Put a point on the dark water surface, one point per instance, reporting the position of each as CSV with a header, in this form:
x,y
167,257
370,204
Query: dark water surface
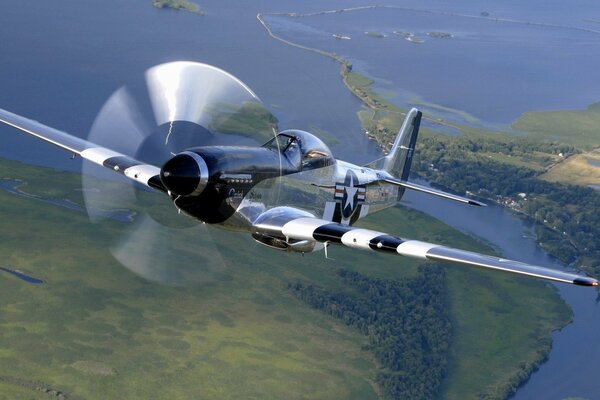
x,y
61,61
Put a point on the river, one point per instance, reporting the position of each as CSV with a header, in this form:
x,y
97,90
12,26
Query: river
x,y
64,60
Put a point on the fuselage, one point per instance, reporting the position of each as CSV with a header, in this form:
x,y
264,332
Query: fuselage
x,y
235,186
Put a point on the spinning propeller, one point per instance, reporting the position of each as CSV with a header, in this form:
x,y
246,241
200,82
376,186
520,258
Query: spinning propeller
x,y
177,106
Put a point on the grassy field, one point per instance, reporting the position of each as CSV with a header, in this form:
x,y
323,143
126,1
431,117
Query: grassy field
x,y
95,330
580,128
12,392
535,161
581,169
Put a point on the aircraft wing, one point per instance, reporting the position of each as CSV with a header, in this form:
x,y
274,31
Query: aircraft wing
x,y
145,174
323,231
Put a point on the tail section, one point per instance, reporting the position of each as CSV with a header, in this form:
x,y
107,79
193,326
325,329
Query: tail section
x,y
399,159
397,162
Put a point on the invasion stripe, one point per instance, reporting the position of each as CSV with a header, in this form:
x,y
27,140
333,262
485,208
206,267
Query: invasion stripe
x,y
360,238
385,243
331,233
142,173
120,163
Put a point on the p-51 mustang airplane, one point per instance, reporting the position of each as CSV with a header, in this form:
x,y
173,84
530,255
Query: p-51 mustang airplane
x,y
290,193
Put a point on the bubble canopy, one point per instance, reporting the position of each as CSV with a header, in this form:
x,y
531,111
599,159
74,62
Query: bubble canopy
x,y
302,149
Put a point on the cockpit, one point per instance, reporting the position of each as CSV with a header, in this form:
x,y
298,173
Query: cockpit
x,y
301,149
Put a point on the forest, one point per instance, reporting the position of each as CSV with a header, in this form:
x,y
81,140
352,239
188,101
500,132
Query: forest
x,y
405,321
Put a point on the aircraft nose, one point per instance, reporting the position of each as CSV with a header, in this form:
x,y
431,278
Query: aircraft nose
x,y
186,174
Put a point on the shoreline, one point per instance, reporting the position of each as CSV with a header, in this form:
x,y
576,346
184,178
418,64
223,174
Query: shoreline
x,y
362,91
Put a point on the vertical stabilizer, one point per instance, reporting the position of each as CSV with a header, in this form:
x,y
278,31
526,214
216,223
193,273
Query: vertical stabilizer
x,y
399,159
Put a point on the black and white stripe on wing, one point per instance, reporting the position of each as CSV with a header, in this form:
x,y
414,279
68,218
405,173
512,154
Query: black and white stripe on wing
x,y
366,239
331,233
145,174
120,163
136,170
385,243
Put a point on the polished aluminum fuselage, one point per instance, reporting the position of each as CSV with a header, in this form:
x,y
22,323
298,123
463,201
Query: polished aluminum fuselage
x,y
317,192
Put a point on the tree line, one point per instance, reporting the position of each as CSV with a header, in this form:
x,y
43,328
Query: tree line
x,y
405,321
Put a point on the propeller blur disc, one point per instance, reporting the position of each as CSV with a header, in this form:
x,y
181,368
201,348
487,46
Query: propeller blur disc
x,y
179,105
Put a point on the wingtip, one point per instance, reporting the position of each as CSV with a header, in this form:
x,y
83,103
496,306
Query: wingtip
x,y
477,203
585,281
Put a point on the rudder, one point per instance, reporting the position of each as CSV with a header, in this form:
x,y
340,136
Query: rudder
x,y
399,159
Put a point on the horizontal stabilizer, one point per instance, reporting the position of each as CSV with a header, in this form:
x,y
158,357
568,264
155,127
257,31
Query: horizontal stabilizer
x,y
428,190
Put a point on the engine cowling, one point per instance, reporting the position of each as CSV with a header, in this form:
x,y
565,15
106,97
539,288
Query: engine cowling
x,y
186,174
